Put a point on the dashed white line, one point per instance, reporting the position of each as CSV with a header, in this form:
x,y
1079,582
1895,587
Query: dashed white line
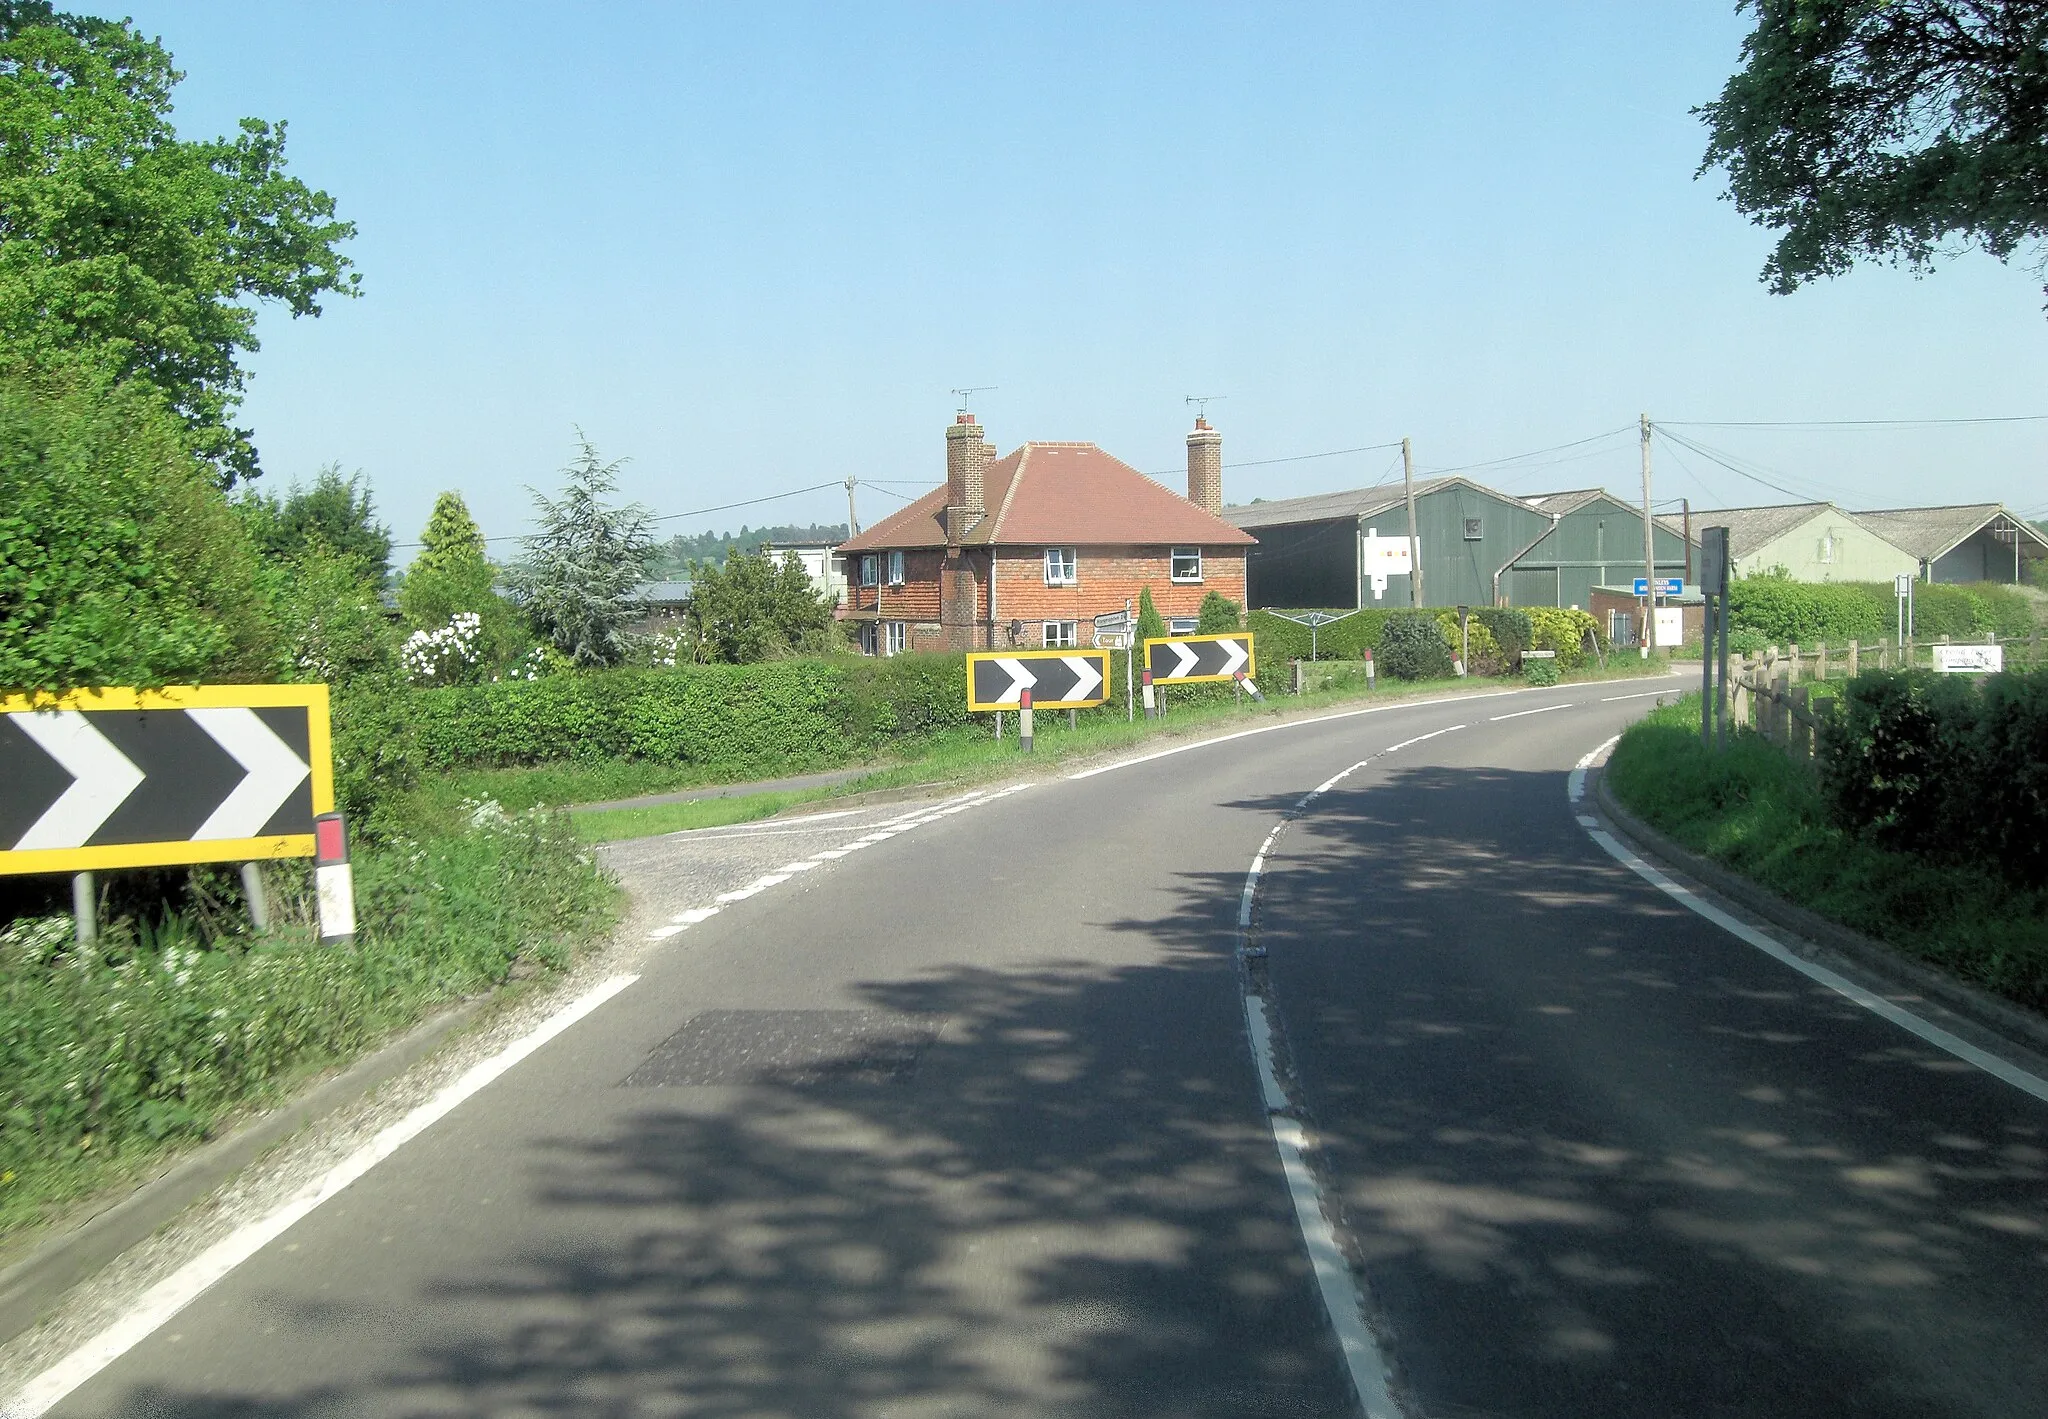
x,y
1542,709
1640,695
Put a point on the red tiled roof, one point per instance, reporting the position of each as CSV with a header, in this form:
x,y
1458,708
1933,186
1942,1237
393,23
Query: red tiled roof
x,y
1048,494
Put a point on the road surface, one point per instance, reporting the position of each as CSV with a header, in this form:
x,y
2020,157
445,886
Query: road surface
x,y
953,1110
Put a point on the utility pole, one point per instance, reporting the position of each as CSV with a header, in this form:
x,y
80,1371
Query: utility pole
x,y
1414,547
1649,550
852,522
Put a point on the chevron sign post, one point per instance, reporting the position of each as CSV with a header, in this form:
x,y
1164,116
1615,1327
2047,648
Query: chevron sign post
x,y
156,778
1057,679
1194,660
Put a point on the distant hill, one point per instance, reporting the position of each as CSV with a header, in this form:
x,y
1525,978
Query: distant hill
x,y
673,557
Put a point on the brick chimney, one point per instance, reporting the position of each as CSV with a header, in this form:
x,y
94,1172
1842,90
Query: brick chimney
x,y
1205,468
966,463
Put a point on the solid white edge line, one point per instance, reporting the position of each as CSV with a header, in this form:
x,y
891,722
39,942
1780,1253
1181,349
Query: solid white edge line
x,y
1362,1357
188,1282
2021,1079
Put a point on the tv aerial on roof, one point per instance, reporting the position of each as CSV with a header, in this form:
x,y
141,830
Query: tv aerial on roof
x,y
968,393
1203,401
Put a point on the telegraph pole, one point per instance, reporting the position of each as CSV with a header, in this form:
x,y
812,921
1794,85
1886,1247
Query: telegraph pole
x,y
1414,548
1649,550
852,522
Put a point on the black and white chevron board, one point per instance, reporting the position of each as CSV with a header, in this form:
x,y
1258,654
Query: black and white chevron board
x,y
1194,660
1057,679
132,778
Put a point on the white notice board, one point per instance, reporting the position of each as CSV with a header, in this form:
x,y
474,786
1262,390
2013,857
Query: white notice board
x,y
1670,625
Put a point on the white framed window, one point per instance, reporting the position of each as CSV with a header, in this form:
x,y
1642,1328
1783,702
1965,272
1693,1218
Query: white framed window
x,y
895,569
867,569
1062,567
870,642
1475,530
1185,564
894,639
1061,635
1182,625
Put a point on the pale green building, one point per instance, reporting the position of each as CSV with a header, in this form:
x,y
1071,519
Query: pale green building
x,y
1809,541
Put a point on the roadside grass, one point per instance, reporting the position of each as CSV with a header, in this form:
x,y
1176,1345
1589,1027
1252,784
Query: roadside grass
x,y
177,1022
1757,812
962,757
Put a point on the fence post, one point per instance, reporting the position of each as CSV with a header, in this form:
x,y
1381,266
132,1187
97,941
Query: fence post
x,y
1802,723
1820,665
1781,699
1852,660
1793,669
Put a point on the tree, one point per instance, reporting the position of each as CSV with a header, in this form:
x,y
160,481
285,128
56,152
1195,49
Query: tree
x,y
450,538
1883,129
120,561
755,607
336,512
577,578
1151,625
138,252
451,577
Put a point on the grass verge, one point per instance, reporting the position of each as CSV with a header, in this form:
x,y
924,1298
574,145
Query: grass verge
x,y
115,1056
1757,812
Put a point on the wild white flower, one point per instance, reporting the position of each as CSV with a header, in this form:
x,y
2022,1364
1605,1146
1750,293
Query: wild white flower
x,y
439,657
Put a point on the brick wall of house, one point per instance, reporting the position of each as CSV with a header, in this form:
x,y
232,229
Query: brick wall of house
x,y
1108,576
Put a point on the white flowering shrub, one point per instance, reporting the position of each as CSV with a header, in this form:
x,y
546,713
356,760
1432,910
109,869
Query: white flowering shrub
x,y
445,656
668,651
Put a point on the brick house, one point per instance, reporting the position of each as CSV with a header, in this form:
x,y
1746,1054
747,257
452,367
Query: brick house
x,y
1027,549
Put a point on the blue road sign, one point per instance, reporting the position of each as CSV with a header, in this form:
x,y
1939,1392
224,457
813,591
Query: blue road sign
x,y
1666,586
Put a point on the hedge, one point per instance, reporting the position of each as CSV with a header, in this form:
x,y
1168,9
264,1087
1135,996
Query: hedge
x,y
1946,767
728,718
1773,610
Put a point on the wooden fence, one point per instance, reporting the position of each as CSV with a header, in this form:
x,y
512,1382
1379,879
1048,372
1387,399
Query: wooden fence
x,y
1773,693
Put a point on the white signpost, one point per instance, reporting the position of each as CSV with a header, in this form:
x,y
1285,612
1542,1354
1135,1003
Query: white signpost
x,y
1384,557
1670,625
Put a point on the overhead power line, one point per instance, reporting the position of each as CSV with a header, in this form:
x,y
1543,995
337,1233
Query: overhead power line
x,y
676,516
1846,423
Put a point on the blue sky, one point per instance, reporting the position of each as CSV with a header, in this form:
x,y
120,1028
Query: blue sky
x,y
752,247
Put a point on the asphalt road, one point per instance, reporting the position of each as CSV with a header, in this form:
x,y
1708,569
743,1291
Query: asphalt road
x,y
956,1116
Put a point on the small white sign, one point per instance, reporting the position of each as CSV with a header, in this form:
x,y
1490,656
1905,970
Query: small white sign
x,y
1113,640
1970,659
1384,557
1670,625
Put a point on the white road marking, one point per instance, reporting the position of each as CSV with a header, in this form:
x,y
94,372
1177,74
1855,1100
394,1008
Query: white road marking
x,y
727,898
1641,695
1906,1020
662,933
1402,745
1543,709
695,915
188,1282
832,854
1137,759
790,869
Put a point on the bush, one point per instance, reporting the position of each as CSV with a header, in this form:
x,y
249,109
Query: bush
x,y
1949,769
1412,647
1540,672
1568,632
1786,612
1511,632
1218,616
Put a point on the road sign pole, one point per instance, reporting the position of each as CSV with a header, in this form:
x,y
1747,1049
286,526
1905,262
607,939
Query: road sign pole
x,y
1024,719
85,907
252,892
